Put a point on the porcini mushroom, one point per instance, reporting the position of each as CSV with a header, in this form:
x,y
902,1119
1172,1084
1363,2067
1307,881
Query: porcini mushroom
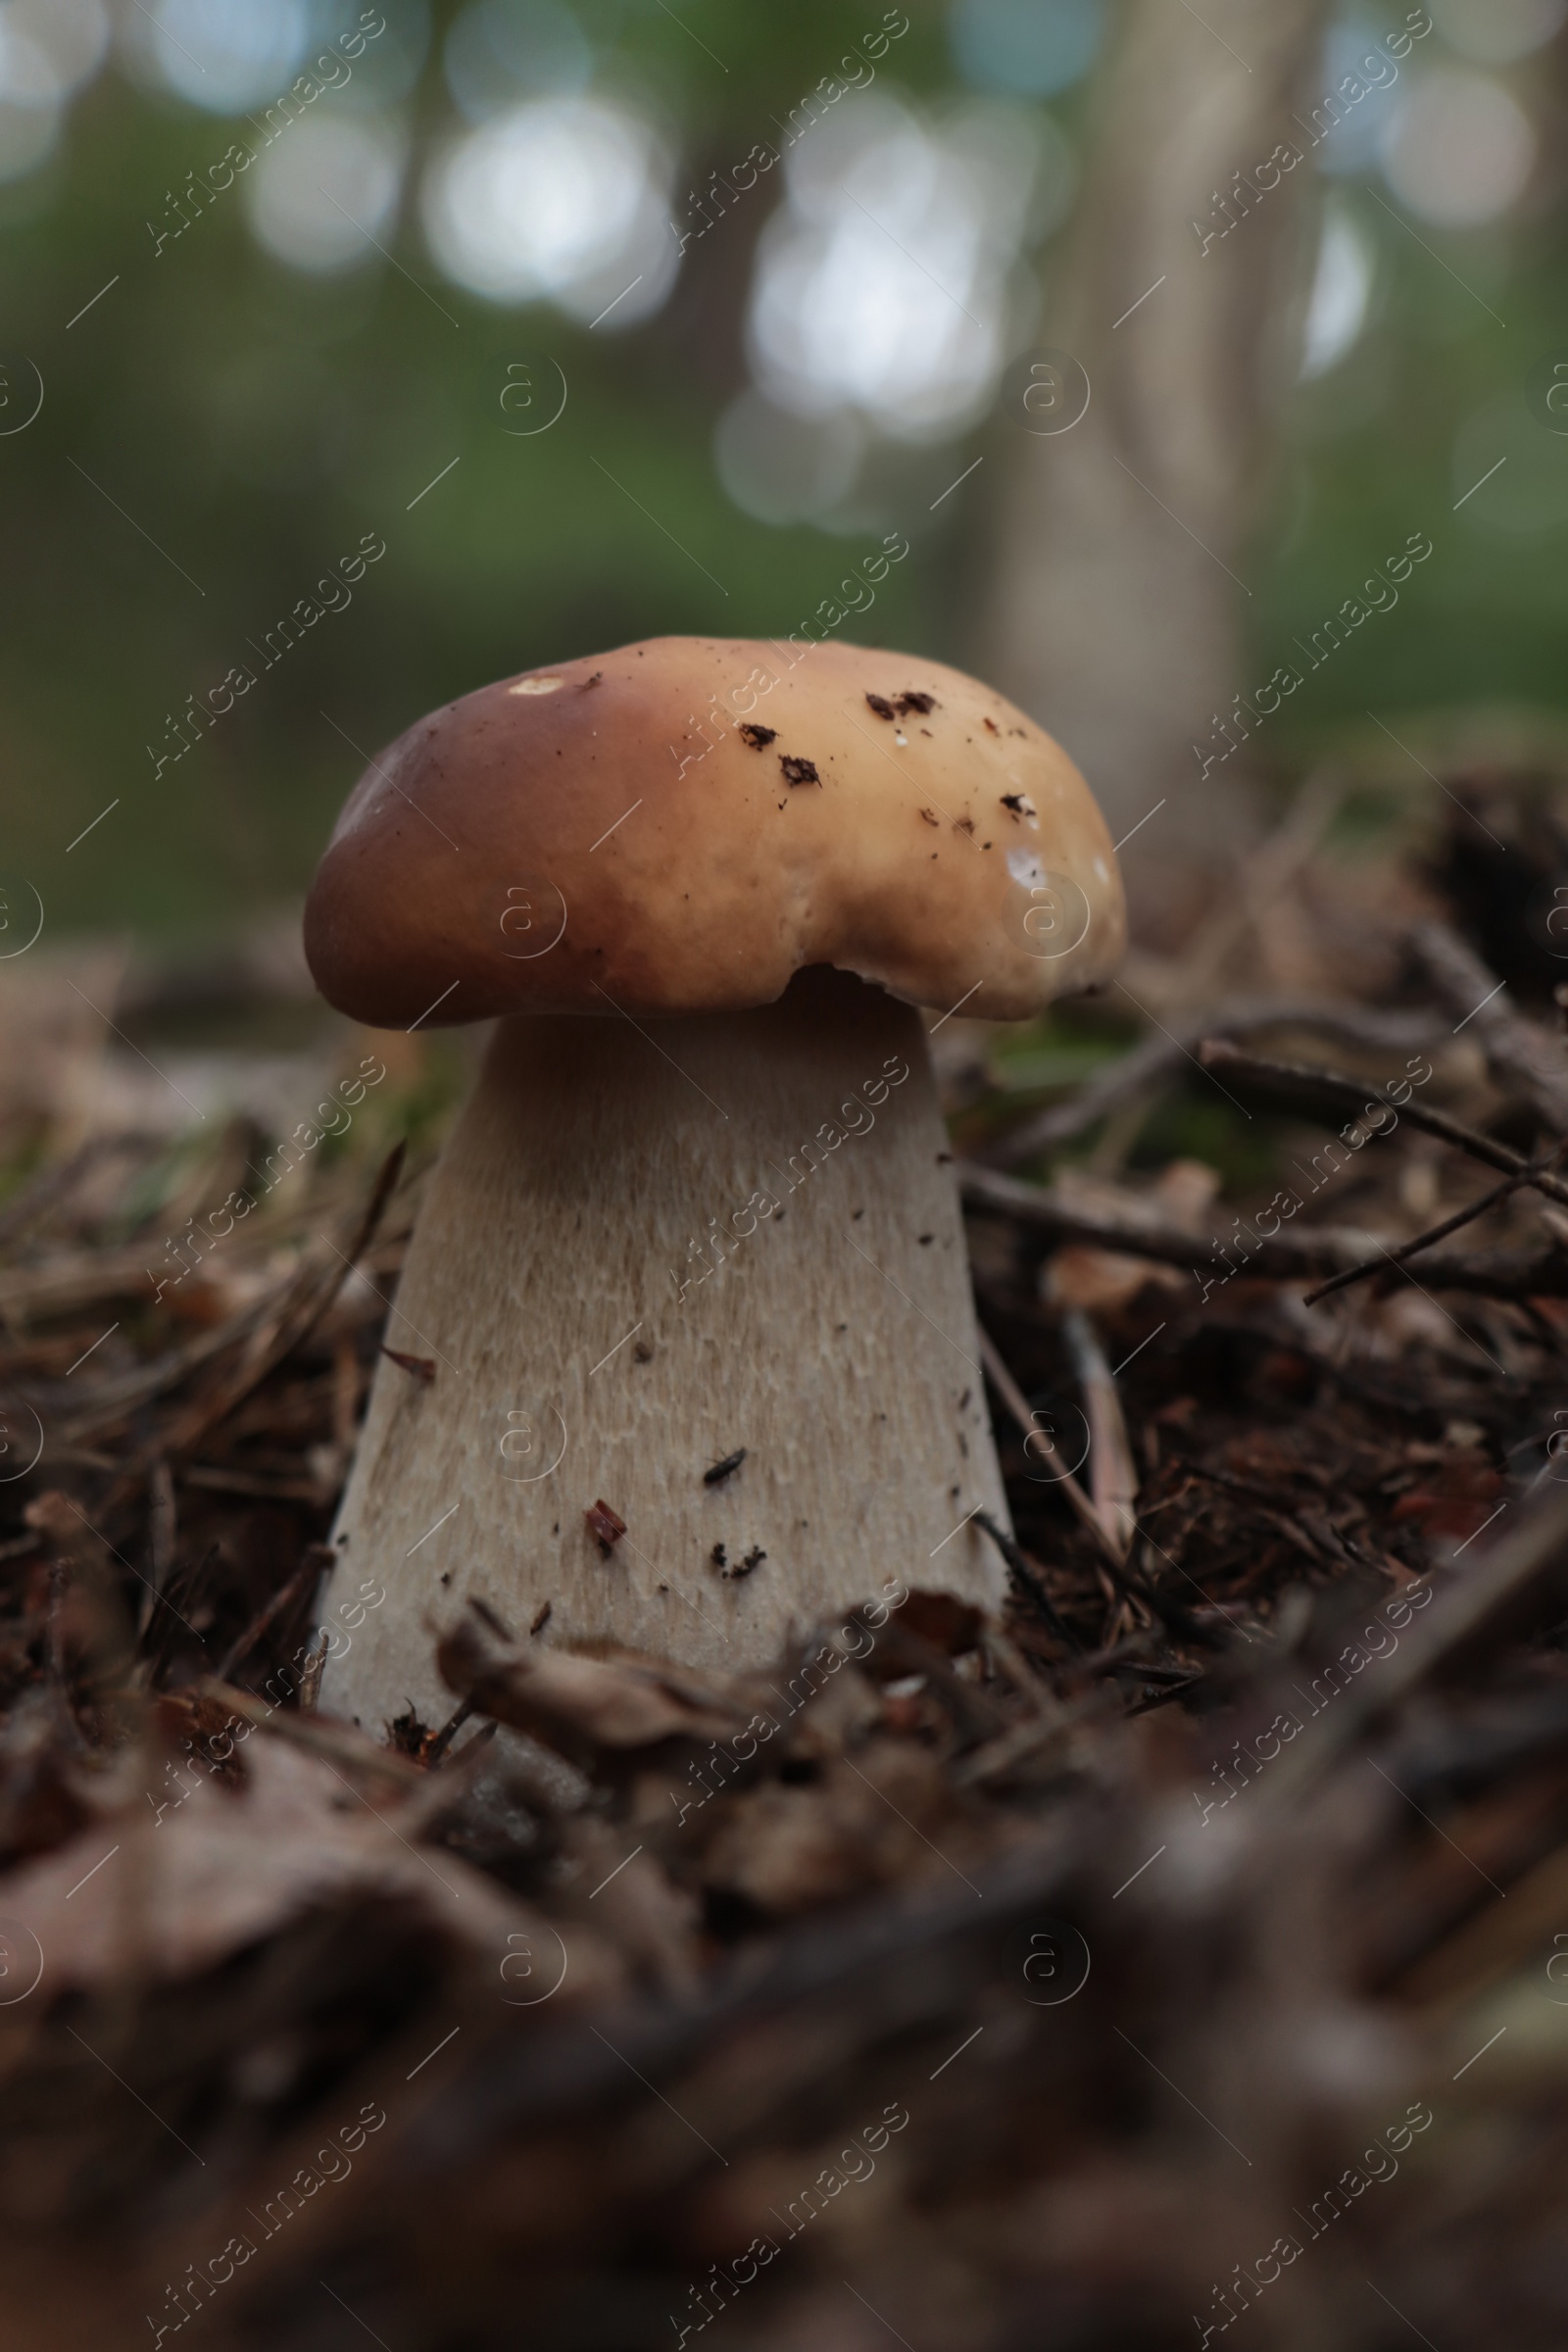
x,y
691,1268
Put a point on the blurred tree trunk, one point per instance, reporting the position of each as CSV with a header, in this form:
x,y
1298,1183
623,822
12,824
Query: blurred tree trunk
x,y
1111,611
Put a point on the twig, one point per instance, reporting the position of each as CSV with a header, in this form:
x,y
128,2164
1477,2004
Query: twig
x,y
450,1730
1027,1572
52,1184
1163,1697
1519,1275
111,1401
162,1521
1424,1241
1298,1085
1518,1049
320,1735
311,1676
1495,1592
1161,1055
1130,1586
318,1557
1178,1678
307,1301
1264,874
1017,1404
1113,1475
1285,1257
1267,1501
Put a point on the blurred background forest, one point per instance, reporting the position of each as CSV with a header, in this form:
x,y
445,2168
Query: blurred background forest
x,y
1204,365
469,214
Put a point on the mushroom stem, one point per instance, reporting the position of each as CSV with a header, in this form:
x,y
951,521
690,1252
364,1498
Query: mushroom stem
x,y
648,1247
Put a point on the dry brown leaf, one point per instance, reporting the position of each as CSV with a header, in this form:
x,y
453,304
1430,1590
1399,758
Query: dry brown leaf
x,y
1082,1275
862,1823
618,1701
633,1900
168,1894
1112,1472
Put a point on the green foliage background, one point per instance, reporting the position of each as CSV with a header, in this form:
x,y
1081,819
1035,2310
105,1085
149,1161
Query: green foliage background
x,y
255,421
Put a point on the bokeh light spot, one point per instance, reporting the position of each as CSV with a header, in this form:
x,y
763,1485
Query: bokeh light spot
x,y
1498,32
225,55
72,35
782,468
885,284
31,95
1031,47
1461,149
502,52
1341,288
318,197
565,199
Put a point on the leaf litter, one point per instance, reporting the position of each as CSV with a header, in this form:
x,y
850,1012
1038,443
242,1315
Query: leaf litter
x,y
1186,1951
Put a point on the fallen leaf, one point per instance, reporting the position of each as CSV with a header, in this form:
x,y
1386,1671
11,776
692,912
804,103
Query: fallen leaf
x,y
171,1893
618,1702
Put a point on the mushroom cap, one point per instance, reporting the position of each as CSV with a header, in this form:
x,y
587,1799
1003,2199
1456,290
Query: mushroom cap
x,y
681,825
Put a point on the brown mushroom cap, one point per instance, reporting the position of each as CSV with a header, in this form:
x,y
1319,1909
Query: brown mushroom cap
x,y
680,826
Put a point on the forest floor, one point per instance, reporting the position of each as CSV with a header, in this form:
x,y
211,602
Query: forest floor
x,y
1187,1951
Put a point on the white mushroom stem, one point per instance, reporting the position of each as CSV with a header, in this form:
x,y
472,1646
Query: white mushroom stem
x,y
646,1248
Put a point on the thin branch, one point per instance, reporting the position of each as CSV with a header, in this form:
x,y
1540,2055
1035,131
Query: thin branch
x,y
1308,1255
1028,1574
1307,1089
1156,1058
1285,1257
1435,1233
1521,1052
318,1557
1017,1404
